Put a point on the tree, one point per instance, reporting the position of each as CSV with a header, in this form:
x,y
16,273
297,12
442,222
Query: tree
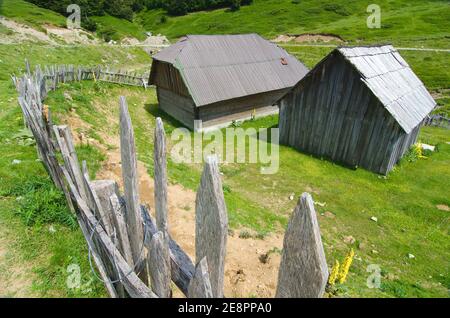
x,y
235,5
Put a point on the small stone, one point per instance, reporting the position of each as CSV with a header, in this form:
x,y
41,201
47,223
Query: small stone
x,y
375,219
292,197
374,252
428,147
349,240
67,96
329,215
16,162
411,256
443,207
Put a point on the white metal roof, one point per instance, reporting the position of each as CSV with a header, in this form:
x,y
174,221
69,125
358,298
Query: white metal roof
x,y
391,79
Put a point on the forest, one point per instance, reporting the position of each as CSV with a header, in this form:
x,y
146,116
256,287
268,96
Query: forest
x,y
126,8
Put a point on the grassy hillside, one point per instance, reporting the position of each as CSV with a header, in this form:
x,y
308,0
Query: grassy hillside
x,y
123,28
414,21
30,14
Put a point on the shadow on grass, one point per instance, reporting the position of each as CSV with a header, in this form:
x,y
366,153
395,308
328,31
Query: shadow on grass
x,y
170,122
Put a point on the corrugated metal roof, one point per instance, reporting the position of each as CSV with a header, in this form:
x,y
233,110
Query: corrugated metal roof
x,y
391,79
223,67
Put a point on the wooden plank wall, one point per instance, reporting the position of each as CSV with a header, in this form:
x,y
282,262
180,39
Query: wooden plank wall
x,y
332,114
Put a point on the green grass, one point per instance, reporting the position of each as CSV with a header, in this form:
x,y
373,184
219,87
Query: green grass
x,y
123,28
404,202
30,14
404,21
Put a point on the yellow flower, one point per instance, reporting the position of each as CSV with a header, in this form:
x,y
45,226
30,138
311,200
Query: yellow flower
x,y
334,273
346,267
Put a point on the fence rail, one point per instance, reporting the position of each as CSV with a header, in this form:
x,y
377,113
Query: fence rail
x,y
134,253
56,74
437,121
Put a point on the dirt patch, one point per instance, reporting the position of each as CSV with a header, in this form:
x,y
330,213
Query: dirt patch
x,y
71,36
443,207
308,38
251,265
52,35
22,33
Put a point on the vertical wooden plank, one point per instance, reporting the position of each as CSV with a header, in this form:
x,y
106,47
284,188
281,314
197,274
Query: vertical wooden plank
x,y
118,213
27,67
130,179
181,266
65,141
159,265
211,224
160,163
200,285
303,271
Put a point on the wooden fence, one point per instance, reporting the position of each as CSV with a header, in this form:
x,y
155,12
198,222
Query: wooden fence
x,y
134,253
437,121
56,74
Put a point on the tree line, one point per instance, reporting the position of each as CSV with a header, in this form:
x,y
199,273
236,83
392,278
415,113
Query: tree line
x,y
126,8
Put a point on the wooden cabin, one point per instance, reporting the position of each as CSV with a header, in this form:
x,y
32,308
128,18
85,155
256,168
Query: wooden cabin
x,y
360,106
222,78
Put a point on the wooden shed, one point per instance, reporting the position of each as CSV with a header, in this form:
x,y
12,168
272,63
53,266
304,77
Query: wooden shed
x,y
360,106
222,78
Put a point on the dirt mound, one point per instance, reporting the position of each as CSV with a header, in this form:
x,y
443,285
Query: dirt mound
x,y
71,36
130,41
22,33
156,41
53,35
308,38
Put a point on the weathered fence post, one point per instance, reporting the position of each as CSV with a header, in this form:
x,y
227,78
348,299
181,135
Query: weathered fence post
x,y
130,179
160,163
159,264
159,246
118,215
303,270
211,224
200,285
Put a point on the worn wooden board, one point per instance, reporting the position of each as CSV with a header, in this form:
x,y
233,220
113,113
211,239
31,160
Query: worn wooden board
x,y
200,286
211,224
181,267
303,270
160,163
130,180
159,265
